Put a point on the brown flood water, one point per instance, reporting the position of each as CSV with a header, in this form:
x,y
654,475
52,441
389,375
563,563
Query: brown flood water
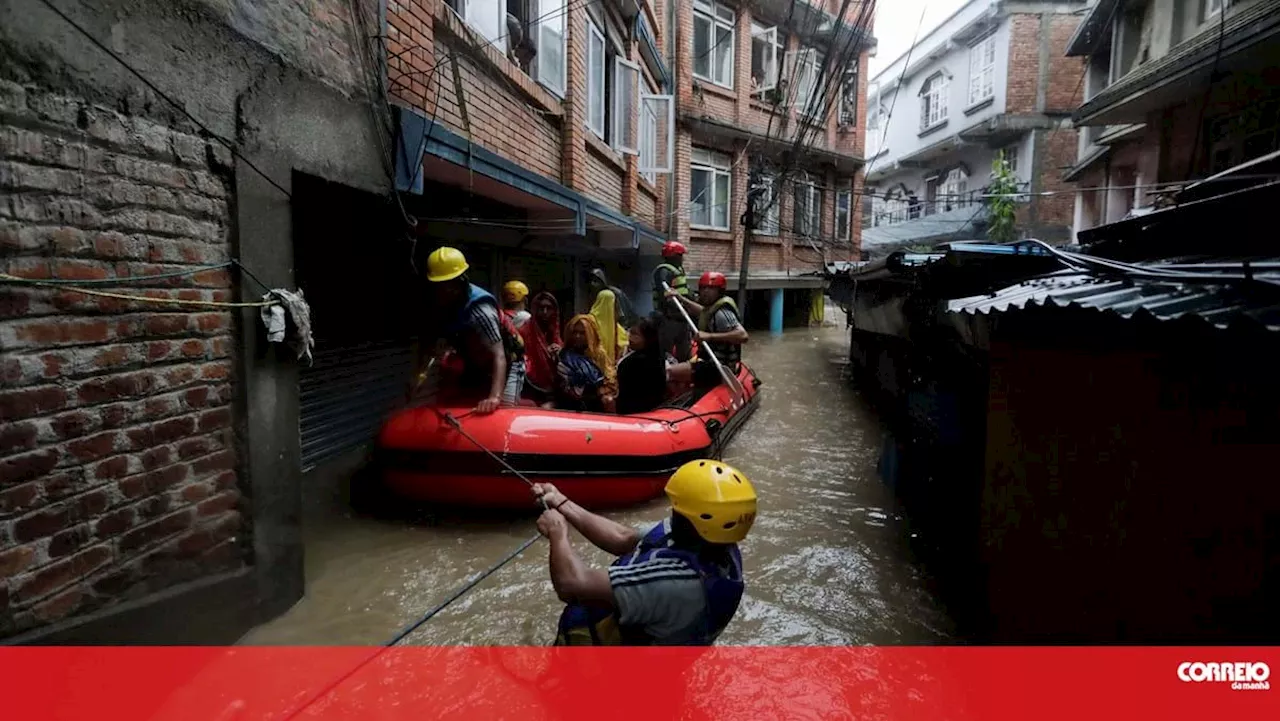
x,y
827,561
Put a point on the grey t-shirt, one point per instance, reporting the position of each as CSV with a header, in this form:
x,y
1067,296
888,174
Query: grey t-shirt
x,y
663,596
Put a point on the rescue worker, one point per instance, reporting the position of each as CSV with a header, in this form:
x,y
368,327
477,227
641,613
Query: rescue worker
x,y
673,332
680,583
719,326
490,347
513,294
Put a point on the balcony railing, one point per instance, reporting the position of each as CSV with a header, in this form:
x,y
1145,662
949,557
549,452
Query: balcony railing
x,y
942,204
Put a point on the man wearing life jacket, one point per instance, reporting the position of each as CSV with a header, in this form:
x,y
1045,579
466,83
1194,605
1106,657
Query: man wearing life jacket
x,y
673,331
718,326
679,583
513,294
490,347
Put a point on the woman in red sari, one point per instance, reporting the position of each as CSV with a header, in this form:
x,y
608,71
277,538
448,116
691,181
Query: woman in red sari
x,y
541,349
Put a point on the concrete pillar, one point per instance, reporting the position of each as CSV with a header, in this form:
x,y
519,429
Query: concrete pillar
x,y
775,311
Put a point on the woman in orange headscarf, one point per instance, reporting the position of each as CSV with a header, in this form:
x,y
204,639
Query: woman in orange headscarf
x,y
586,374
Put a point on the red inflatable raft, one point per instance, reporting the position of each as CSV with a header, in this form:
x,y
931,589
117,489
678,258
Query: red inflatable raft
x,y
598,460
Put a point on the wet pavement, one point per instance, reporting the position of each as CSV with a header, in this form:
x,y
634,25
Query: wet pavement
x,y
827,561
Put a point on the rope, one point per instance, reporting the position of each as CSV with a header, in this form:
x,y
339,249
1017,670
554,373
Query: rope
x,y
470,584
127,279
139,298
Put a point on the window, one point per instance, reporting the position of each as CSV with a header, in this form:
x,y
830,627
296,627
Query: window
x,y
933,101
595,79
487,17
844,208
877,120
713,42
709,189
1011,157
657,139
808,207
1213,7
764,58
849,97
954,187
805,67
982,70
626,92
550,37
764,187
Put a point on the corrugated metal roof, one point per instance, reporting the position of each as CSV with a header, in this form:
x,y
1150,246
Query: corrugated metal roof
x,y
1220,305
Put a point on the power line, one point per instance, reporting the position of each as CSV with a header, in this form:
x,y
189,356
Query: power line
x,y
203,128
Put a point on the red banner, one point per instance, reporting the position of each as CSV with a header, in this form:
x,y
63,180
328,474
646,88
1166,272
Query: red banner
x,y
978,684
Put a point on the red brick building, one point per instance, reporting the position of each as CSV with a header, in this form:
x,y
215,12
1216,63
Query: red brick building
x,y
624,169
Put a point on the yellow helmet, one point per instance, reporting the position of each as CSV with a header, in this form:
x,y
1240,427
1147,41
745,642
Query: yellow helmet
x,y
514,291
446,264
718,500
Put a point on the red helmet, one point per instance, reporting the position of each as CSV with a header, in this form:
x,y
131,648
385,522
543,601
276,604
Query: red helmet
x,y
671,248
712,279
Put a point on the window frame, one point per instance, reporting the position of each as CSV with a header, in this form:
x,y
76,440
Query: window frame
x,y
767,34
596,86
806,75
627,116
543,19
770,221
982,70
668,166
844,230
717,165
933,101
848,102
809,225
714,14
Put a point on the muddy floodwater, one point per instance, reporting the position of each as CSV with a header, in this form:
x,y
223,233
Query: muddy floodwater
x,y
827,561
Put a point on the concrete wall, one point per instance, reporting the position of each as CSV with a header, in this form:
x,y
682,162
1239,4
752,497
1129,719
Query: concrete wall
x,y
132,484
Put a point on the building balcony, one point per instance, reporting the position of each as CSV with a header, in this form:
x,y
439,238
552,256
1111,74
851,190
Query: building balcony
x,y
1245,42
961,217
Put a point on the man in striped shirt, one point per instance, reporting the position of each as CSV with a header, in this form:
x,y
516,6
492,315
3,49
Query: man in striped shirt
x,y
679,583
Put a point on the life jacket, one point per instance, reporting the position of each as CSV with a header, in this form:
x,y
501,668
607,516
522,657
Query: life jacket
x,y
679,283
471,347
729,354
588,625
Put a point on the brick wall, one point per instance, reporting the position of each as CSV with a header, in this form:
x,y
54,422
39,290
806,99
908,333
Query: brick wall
x,y
708,253
1059,148
501,119
1065,91
647,207
117,463
1024,64
605,174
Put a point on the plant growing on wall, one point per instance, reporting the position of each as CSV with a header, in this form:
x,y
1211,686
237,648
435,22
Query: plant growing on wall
x,y
1001,201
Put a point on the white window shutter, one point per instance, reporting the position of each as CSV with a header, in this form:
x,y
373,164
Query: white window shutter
x,y
549,36
626,93
769,38
789,70
660,112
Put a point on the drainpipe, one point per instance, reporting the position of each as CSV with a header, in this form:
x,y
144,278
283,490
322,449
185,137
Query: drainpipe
x,y
675,93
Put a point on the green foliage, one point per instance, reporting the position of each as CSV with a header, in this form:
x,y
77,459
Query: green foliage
x,y
1002,203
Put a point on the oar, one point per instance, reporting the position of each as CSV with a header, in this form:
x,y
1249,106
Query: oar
x,y
739,395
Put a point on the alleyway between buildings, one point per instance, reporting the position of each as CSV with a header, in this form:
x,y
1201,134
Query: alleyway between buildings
x,y
827,561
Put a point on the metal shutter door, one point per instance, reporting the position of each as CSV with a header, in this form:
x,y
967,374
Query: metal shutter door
x,y
346,395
